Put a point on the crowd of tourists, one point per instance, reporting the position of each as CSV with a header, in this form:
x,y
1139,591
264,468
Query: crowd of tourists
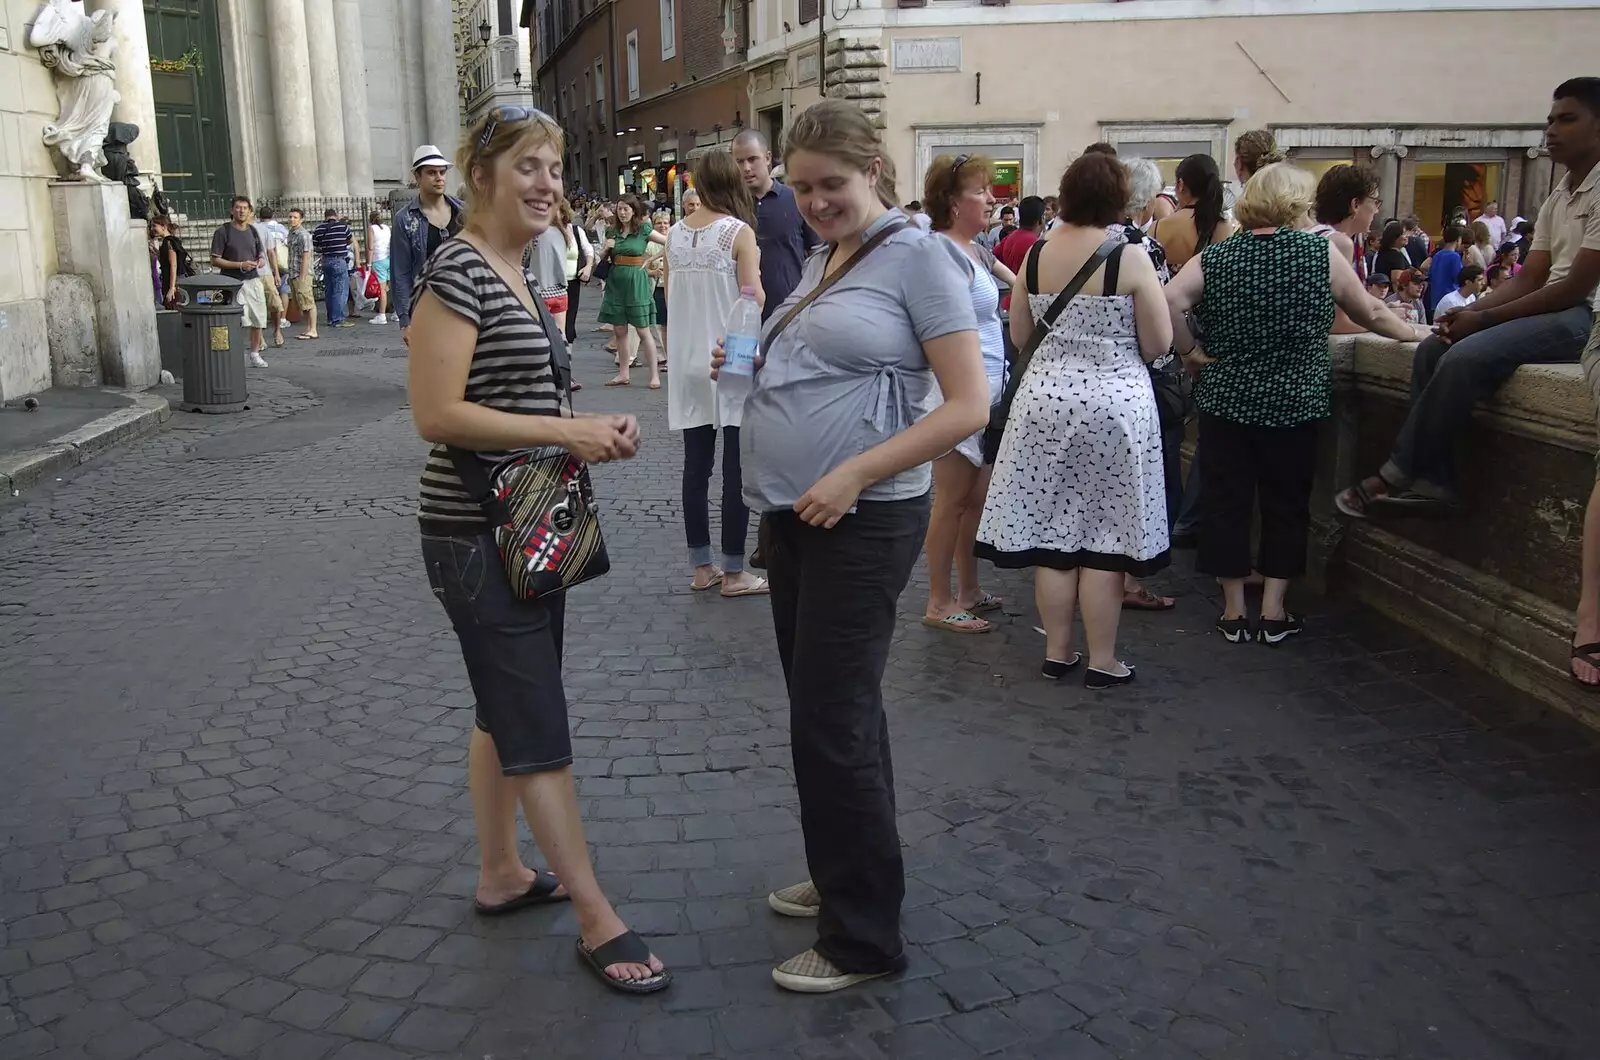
x,y
894,408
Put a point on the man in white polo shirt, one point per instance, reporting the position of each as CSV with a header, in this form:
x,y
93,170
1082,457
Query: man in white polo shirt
x,y
1540,316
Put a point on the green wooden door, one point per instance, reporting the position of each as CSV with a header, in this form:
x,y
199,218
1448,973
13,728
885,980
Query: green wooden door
x,y
191,104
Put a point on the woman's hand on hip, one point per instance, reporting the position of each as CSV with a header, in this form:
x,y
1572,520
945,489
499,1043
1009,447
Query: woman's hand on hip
x,y
598,440
830,498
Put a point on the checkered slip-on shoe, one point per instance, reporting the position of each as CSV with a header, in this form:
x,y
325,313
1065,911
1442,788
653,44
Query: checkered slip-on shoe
x,y
811,973
801,899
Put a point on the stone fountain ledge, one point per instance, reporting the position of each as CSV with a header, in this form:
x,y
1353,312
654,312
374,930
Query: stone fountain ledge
x,y
1496,586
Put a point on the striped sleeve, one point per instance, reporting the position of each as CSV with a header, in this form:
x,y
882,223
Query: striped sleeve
x,y
448,276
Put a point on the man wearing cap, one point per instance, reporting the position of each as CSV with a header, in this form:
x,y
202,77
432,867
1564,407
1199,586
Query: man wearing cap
x,y
420,226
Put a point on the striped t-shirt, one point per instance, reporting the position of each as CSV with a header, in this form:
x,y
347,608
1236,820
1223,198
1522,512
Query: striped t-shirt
x,y
511,371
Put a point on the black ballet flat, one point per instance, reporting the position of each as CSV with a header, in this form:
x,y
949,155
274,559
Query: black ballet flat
x,y
1098,679
1055,669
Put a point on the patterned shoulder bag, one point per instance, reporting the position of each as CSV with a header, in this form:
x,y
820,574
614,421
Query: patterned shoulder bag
x,y
540,501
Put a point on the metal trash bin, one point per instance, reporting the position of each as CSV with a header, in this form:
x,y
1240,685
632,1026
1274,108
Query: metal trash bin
x,y
213,353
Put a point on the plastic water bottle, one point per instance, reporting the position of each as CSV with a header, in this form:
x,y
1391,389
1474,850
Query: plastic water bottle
x,y
741,341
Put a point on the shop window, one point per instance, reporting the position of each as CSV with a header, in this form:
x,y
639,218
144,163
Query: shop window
x,y
1443,188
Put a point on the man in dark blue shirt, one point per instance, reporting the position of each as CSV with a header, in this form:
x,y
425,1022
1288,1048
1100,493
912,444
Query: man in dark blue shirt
x,y
782,234
333,240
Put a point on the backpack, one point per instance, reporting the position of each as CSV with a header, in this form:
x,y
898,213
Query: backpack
x,y
185,263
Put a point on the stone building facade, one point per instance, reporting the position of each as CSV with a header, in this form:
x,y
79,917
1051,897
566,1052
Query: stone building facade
x,y
274,99
1393,83
641,86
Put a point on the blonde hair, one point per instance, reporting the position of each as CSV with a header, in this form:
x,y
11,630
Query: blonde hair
x,y
1256,149
1278,195
1480,233
944,183
489,138
842,131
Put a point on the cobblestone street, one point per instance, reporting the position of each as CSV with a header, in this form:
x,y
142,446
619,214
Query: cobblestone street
x,y
235,820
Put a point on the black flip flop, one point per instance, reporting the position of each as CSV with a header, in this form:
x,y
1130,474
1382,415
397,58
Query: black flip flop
x,y
540,892
1412,505
626,948
1589,653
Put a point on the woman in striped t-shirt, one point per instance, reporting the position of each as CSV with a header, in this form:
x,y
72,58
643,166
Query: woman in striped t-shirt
x,y
483,379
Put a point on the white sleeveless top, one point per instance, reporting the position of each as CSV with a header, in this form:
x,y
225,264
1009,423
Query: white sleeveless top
x,y
380,243
702,287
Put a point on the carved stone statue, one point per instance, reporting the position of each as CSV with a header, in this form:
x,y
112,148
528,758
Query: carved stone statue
x,y
77,46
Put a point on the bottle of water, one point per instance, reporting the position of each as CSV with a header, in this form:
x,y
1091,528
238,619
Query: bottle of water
x,y
741,341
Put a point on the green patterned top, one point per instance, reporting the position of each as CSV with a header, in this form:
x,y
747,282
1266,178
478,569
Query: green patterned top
x,y
1267,309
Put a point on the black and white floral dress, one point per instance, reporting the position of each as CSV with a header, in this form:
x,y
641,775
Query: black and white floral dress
x,y
1079,480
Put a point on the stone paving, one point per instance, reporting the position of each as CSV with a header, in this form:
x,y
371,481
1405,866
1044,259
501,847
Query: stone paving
x,y
232,799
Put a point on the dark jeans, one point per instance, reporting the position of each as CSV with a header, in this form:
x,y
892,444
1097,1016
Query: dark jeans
x,y
1172,470
699,456
336,288
1188,520
833,609
1242,466
574,288
1447,381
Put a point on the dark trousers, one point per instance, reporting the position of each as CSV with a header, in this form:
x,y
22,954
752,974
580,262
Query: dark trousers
x,y
574,288
1243,466
833,608
1447,381
699,456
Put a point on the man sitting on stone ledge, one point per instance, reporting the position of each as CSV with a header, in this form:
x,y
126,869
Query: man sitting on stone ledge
x,y
1540,316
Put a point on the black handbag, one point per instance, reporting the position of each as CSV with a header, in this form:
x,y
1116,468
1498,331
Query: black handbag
x,y
540,502
1019,366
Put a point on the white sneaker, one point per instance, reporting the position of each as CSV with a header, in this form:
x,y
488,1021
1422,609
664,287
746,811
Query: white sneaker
x,y
381,318
256,360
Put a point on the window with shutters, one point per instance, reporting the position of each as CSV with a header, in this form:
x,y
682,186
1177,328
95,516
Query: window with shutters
x,y
600,81
633,65
809,11
669,28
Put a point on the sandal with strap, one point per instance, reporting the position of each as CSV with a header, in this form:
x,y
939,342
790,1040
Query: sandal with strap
x,y
1145,600
542,891
1354,501
1589,653
987,602
949,623
626,948
711,583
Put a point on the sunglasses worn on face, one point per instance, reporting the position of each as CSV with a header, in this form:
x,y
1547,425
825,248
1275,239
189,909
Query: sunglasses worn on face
x,y
501,115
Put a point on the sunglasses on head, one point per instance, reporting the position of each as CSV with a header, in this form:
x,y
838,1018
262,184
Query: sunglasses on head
x,y
501,115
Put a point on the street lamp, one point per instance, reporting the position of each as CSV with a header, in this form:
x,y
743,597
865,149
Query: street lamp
x,y
516,77
484,29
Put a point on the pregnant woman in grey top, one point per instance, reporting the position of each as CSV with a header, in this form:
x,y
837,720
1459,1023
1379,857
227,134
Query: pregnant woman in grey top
x,y
837,461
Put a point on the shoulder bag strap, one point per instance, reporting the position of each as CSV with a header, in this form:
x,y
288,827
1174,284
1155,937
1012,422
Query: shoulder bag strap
x,y
1042,327
820,289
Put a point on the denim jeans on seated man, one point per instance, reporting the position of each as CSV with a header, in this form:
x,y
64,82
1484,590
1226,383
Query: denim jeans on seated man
x,y
1449,379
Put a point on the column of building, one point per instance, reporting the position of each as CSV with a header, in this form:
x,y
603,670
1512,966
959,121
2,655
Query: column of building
x,y
291,98
136,103
1537,174
439,75
353,87
327,97
1388,164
